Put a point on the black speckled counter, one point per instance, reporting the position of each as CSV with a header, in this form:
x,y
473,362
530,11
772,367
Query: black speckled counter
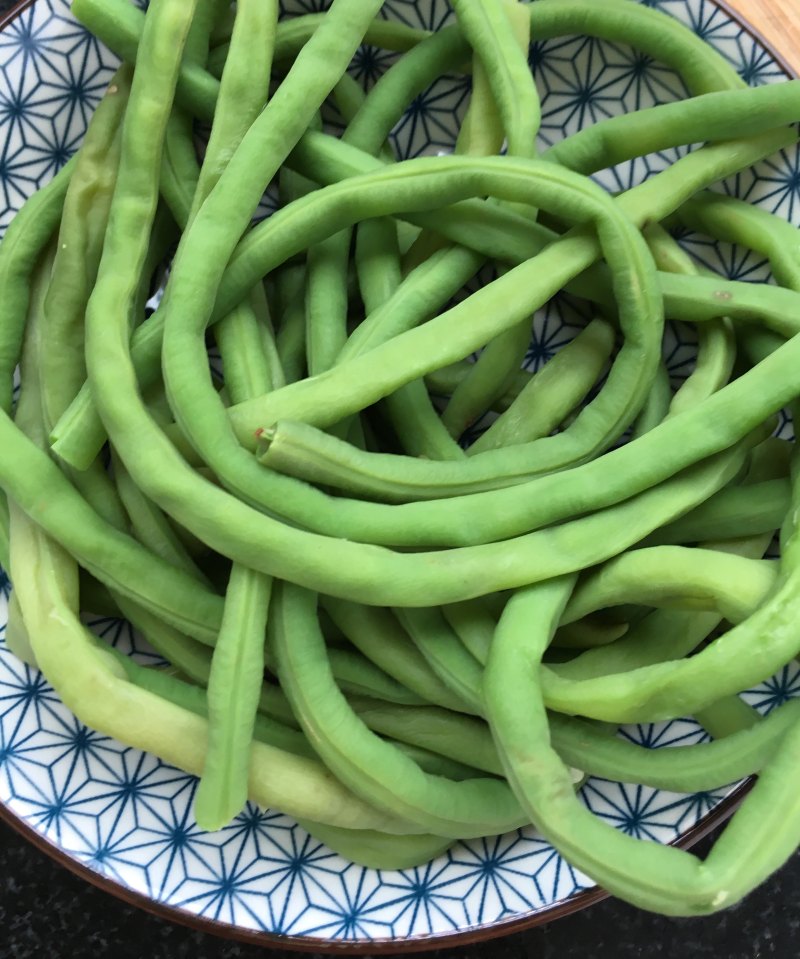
x,y
47,913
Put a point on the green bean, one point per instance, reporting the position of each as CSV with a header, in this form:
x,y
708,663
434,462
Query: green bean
x,y
664,635
553,392
242,92
419,296
676,576
92,686
492,32
193,699
443,381
249,360
700,119
482,133
315,394
588,634
631,468
55,505
95,598
119,25
494,369
326,301
413,417
31,419
418,425
388,34
522,290
294,33
390,719
4,524
63,597
667,690
222,27
233,689
84,218
461,738
654,877
378,635
474,625
271,134
654,34
302,451
28,416
357,674
381,577
582,745
410,403
656,407
648,30
455,666
17,637
268,728
680,768
326,287
411,413
716,347
94,484
435,764
499,33
23,242
737,511
645,29
237,666
731,220
356,755
376,850
503,235
263,315
180,168
771,459
179,173
377,262
291,336
727,717
162,241
198,40
59,318
151,527
701,298
354,674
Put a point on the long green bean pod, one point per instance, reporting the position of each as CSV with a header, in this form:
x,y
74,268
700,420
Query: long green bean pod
x,y
679,884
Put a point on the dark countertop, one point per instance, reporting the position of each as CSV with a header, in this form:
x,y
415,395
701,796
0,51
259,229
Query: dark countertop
x,y
47,913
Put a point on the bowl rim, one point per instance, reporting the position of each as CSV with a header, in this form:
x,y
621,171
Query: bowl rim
x,y
409,944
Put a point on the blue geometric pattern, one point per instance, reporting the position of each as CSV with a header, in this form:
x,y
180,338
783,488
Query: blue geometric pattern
x,y
126,814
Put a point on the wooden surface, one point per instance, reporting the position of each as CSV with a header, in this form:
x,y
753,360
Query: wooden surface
x,y
778,21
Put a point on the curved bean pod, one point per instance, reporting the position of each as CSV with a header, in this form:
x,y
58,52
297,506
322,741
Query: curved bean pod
x,y
458,810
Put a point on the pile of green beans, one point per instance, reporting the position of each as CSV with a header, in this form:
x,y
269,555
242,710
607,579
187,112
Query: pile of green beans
x,y
403,594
